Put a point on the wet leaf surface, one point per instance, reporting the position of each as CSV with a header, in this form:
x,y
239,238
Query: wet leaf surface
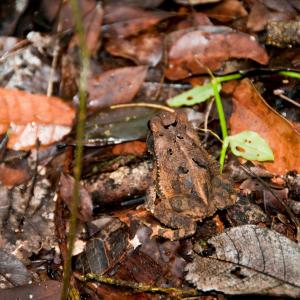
x,y
128,124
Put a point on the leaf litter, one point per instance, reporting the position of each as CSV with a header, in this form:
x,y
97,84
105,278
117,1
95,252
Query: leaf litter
x,y
145,52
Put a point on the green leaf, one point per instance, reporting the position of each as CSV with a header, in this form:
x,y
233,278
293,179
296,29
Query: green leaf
x,y
251,146
193,96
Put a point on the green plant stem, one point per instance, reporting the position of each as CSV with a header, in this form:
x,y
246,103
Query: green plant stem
x,y
79,145
228,77
290,74
220,110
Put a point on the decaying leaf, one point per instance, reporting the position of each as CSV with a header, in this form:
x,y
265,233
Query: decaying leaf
x,y
227,10
45,290
10,176
92,14
196,2
146,48
125,20
13,269
262,12
31,117
248,260
116,126
196,51
251,112
105,248
66,185
115,86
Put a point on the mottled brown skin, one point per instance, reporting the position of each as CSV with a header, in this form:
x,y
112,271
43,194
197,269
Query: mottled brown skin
x,y
187,186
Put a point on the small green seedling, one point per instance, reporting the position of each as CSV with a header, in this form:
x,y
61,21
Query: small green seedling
x,y
247,144
196,95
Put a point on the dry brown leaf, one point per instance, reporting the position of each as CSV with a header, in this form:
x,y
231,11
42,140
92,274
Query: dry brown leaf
x,y
248,260
92,15
251,112
137,148
66,184
31,117
196,2
144,49
13,176
226,11
263,11
115,86
125,20
45,290
193,52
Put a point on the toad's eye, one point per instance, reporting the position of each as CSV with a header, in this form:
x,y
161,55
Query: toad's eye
x,y
182,170
166,126
170,151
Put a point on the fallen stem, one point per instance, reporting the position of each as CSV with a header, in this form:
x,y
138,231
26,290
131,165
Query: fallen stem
x,y
137,286
143,104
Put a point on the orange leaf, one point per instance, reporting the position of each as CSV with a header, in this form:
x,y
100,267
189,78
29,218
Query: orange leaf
x,y
251,112
13,176
27,117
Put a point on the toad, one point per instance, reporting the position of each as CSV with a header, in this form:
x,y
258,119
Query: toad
x,y
186,183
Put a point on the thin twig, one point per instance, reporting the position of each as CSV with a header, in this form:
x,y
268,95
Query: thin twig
x,y
280,93
143,104
56,51
212,133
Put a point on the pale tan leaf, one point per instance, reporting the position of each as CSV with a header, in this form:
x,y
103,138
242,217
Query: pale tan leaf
x,y
248,260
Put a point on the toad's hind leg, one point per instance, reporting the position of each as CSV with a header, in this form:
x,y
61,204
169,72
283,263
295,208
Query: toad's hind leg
x,y
180,226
